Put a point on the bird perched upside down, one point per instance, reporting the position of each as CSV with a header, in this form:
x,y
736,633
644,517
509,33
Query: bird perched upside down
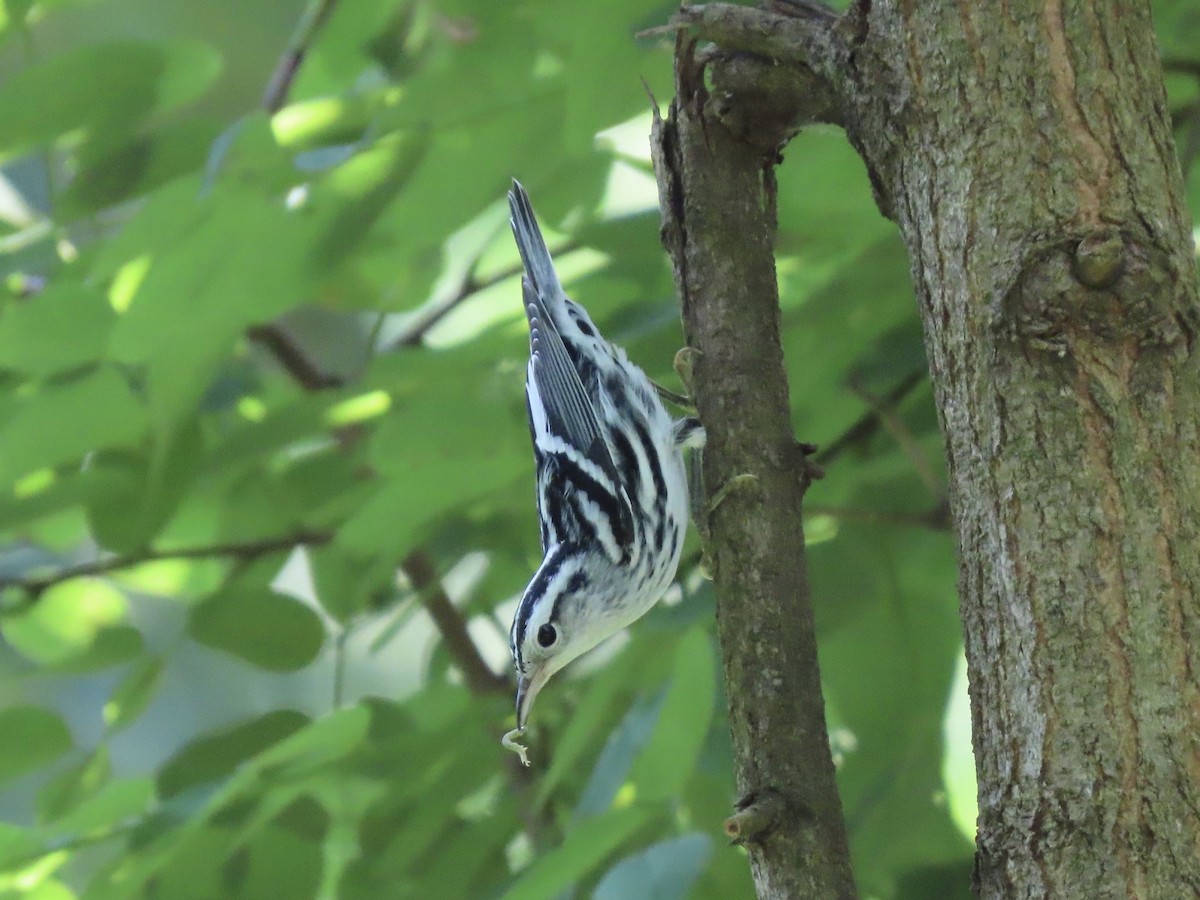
x,y
612,487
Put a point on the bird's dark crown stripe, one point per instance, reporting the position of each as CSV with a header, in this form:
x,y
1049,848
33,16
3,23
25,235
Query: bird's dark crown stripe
x,y
536,590
576,583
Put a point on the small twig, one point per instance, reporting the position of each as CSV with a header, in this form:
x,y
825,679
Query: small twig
x,y
470,285
866,426
935,519
451,626
280,85
294,361
901,434
243,552
1182,66
754,820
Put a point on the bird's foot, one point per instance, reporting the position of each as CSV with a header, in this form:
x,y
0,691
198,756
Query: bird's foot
x,y
736,483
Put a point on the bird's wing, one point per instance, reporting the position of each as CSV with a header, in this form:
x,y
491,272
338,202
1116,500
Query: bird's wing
x,y
562,419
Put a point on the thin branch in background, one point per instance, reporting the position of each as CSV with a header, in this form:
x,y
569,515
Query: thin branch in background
x,y
242,552
903,436
294,361
470,285
935,519
1180,66
315,15
451,626
865,427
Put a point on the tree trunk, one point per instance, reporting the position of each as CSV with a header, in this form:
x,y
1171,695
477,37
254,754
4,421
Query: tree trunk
x,y
1024,150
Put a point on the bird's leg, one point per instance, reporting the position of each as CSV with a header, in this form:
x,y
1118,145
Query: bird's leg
x,y
683,401
684,360
702,507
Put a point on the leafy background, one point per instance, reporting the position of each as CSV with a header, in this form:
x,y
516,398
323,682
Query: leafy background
x,y
266,491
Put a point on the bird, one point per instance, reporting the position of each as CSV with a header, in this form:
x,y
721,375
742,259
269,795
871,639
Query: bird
x,y
612,480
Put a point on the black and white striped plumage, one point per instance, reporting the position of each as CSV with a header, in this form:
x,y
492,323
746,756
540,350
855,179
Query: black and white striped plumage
x,y
611,481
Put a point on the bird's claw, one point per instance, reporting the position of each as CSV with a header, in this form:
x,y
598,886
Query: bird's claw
x,y
685,365
736,483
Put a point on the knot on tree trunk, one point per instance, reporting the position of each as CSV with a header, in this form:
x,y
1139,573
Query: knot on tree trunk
x,y
1105,286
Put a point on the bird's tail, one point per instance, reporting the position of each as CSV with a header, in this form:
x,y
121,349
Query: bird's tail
x,y
539,268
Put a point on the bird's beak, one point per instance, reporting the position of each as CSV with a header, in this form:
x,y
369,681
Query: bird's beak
x,y
528,687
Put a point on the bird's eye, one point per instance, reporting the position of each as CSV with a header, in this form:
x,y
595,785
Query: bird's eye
x,y
547,635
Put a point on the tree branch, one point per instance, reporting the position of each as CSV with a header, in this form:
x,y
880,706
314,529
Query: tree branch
x,y
451,626
900,433
865,427
754,820
935,519
294,360
246,551
802,32
280,84
715,193
470,285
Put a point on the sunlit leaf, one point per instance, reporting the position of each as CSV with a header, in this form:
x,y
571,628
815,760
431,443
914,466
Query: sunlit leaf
x,y
134,693
66,620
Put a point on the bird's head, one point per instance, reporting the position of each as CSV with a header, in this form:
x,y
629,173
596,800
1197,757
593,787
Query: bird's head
x,y
564,612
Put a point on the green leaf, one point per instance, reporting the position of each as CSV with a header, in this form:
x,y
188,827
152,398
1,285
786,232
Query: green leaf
x,y
69,789
664,871
665,764
58,424
266,629
218,755
132,496
101,90
133,693
65,621
114,175
50,889
317,744
111,646
612,767
277,863
887,673
116,802
216,266
64,327
587,845
583,731
16,844
33,737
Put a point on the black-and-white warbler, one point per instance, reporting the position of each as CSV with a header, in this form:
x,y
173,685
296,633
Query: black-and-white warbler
x,y
612,487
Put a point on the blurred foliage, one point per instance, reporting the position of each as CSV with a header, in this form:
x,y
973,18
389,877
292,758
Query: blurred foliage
x,y
251,361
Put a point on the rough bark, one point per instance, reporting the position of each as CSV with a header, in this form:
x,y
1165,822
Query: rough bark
x,y
1024,150
718,225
